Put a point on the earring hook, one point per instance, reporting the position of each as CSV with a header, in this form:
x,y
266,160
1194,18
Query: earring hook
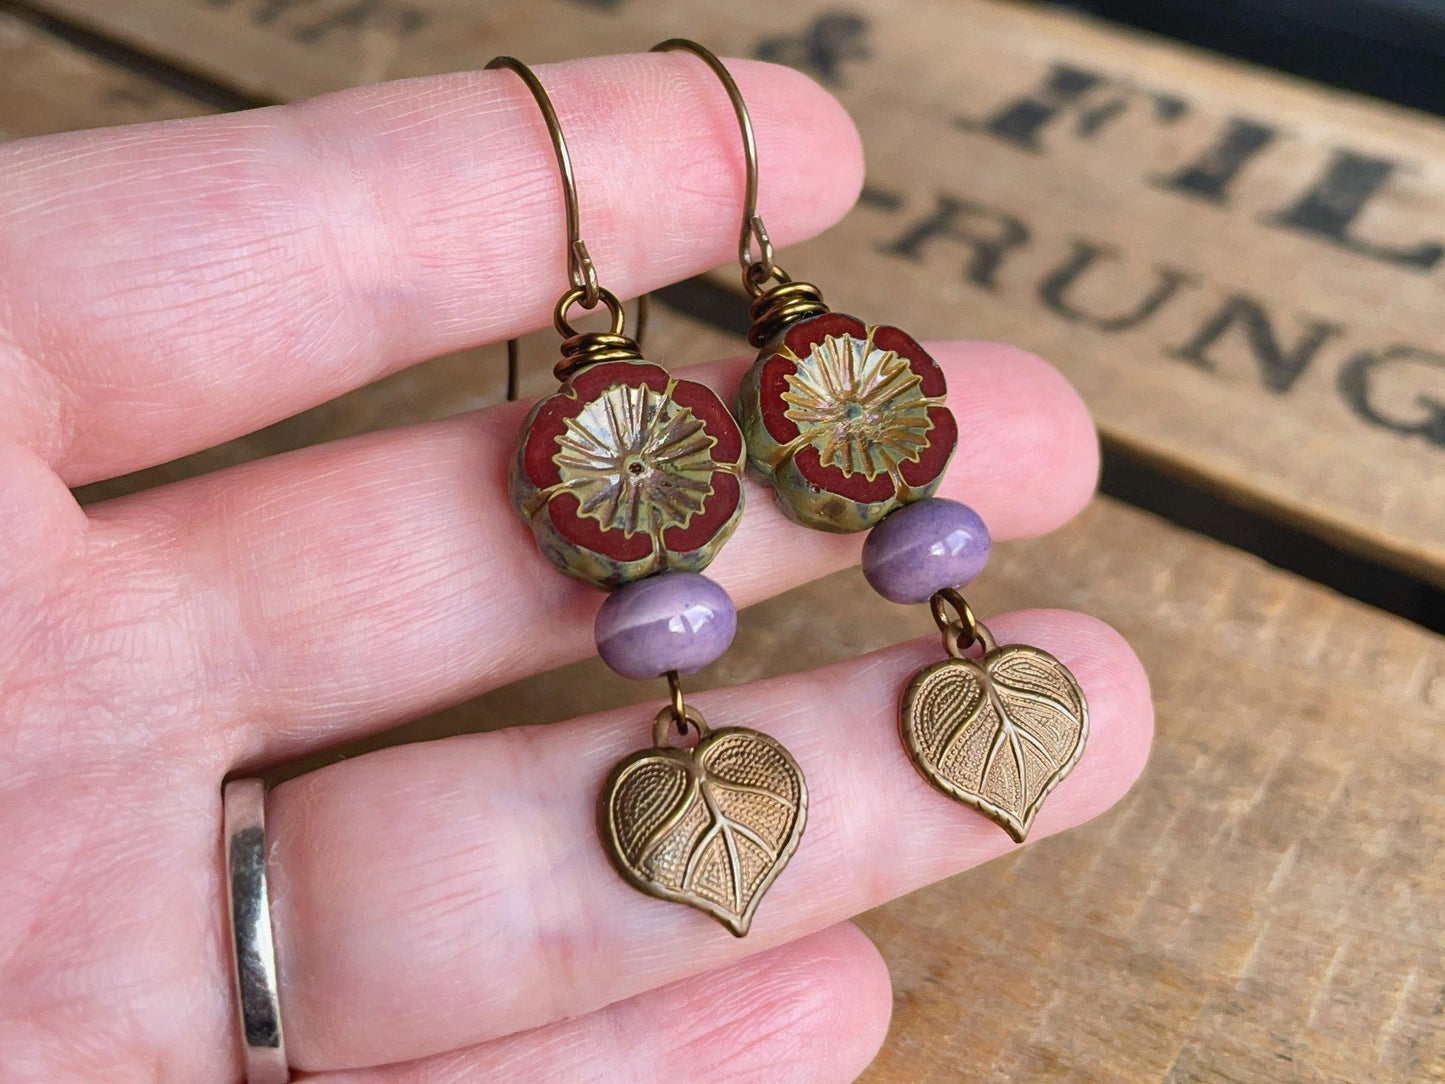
x,y
580,271
756,269
585,289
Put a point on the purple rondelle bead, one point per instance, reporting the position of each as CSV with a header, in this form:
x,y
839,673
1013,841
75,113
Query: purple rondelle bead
x,y
672,621
924,547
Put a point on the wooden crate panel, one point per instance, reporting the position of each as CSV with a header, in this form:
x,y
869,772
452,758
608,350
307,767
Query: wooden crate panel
x,y
1243,274
1264,906
47,86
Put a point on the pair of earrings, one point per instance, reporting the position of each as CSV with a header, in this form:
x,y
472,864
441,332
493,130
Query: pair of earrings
x,y
631,480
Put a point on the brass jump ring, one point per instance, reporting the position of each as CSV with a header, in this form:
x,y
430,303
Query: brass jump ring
x,y
679,707
757,274
961,629
677,713
752,224
578,296
662,724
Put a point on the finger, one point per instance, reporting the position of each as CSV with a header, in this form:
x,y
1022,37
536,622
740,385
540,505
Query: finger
x,y
190,281
810,1012
340,588
42,523
434,895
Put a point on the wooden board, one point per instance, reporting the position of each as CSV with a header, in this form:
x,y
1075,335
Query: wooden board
x,y
47,86
1243,274
1265,905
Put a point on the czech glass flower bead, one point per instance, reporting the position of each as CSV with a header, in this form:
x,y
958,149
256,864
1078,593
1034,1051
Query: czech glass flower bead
x,y
627,471
845,421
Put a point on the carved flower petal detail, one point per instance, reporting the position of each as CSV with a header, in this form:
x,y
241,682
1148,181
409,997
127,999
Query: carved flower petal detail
x,y
845,421
625,472
635,458
859,406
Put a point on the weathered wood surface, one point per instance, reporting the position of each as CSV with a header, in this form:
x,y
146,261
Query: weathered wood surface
x,y
1244,275
47,86
1267,904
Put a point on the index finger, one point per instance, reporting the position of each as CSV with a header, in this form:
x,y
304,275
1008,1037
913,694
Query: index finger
x,y
190,281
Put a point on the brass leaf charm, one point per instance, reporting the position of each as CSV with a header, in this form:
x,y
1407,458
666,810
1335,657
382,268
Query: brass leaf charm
x,y
711,826
997,733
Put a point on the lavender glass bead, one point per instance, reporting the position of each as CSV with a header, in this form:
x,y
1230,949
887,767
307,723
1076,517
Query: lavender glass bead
x,y
672,621
924,547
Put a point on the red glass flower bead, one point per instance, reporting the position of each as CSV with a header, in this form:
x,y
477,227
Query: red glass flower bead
x,y
846,422
626,471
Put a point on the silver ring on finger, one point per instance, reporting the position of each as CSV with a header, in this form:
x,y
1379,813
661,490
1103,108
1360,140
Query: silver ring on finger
x,y
253,947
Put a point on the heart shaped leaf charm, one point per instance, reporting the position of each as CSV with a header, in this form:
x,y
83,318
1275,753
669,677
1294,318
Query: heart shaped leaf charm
x,y
711,826
997,733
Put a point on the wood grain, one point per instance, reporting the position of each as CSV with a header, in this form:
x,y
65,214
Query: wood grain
x,y
47,86
1266,905
1242,273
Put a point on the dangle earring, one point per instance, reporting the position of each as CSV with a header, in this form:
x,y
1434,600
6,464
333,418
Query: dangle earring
x,y
847,424
629,479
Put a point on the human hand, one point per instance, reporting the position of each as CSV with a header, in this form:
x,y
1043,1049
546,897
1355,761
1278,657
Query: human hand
x,y
170,286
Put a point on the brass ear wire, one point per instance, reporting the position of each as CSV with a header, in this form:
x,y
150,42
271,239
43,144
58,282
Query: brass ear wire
x,y
756,269
585,290
580,271
786,301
